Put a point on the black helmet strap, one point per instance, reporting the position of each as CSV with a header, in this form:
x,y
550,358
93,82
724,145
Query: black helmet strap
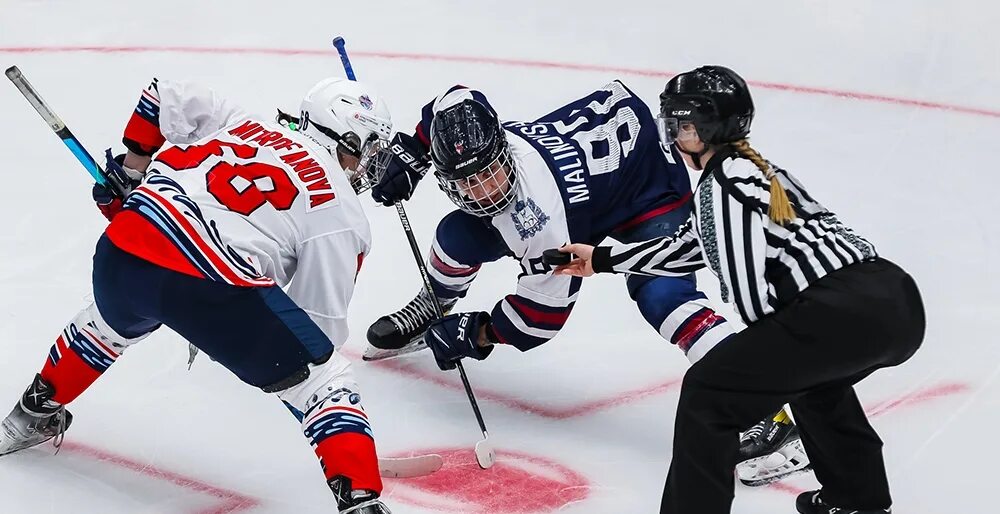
x,y
695,156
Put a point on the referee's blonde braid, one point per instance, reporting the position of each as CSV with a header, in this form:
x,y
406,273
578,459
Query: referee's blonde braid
x,y
780,210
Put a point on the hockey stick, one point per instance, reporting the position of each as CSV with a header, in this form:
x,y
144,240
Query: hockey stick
x,y
56,124
409,467
485,455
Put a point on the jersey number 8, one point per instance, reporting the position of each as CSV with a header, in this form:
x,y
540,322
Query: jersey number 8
x,y
242,188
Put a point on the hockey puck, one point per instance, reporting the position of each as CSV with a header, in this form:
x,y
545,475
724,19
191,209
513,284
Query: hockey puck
x,y
554,257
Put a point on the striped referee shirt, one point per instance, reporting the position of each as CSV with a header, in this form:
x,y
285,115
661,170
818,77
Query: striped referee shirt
x,y
761,265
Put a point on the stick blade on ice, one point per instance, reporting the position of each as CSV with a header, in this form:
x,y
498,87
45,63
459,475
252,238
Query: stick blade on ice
x,y
410,467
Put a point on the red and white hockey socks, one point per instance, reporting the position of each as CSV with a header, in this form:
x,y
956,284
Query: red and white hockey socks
x,y
335,423
86,348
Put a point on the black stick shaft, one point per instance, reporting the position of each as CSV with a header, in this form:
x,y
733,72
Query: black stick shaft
x,y
340,45
418,257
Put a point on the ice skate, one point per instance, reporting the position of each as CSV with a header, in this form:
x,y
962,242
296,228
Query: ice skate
x,y
402,332
357,501
770,451
34,420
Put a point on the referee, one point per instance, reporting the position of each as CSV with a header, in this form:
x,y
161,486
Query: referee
x,y
823,310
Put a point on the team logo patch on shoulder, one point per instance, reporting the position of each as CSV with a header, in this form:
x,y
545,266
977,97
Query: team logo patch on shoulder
x,y
528,218
366,102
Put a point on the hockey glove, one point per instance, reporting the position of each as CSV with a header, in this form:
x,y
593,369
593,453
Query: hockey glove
x,y
108,202
456,336
407,164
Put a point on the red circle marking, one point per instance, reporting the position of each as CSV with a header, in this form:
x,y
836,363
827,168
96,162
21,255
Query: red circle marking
x,y
518,483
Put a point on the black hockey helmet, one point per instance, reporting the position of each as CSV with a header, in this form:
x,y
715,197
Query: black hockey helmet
x,y
714,98
471,158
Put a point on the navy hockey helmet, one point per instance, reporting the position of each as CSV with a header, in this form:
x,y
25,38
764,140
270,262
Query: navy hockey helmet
x,y
472,160
714,98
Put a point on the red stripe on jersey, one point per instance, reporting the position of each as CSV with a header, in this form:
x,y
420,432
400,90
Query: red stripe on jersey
x,y
423,137
145,134
134,234
193,235
536,316
653,213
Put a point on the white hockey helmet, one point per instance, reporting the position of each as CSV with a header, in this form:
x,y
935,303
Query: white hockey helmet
x,y
348,116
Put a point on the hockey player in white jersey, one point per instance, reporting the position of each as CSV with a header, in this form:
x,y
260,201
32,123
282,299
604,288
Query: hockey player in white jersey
x,y
231,211
589,170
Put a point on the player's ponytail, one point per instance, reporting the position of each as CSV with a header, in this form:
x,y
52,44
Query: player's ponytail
x,y
780,209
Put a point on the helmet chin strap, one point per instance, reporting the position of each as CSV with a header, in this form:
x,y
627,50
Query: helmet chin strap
x,y
695,156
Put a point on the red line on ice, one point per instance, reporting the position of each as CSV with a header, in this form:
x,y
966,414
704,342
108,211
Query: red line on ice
x,y
230,501
916,397
907,400
445,380
523,63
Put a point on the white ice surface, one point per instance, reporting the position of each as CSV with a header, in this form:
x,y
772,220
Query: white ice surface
x,y
921,182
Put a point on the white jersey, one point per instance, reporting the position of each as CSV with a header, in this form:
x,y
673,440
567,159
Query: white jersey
x,y
240,200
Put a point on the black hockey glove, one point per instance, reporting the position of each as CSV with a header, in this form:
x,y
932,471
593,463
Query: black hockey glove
x,y
407,164
454,337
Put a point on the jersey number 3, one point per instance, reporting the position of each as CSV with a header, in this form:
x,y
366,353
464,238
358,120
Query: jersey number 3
x,y
242,188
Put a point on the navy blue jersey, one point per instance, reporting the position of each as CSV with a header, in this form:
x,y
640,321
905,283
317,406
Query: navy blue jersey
x,y
584,171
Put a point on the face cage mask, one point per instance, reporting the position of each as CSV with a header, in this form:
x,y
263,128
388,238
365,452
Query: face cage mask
x,y
497,175
371,163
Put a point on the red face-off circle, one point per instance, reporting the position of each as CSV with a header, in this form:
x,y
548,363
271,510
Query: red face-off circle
x,y
517,484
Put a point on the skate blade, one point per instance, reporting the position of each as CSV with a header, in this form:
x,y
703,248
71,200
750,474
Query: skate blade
x,y
9,448
377,354
789,460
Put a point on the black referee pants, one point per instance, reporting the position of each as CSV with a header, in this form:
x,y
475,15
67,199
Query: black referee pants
x,y
809,354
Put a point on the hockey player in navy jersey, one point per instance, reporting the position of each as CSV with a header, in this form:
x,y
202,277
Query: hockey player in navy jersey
x,y
230,211
590,170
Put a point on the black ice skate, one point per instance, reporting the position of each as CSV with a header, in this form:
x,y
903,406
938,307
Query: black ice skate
x,y
34,420
770,451
402,331
810,502
357,501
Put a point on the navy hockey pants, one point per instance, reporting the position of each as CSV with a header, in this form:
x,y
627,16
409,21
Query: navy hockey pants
x,y
673,306
258,333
